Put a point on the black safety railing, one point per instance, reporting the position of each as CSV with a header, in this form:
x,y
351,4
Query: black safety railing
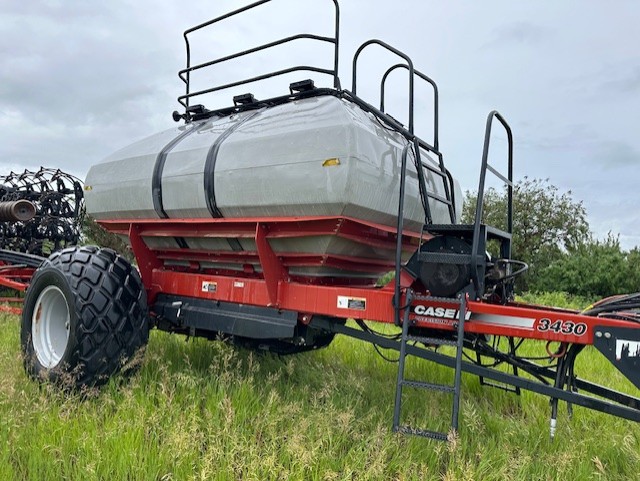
x,y
399,228
185,74
436,168
508,182
441,170
409,63
383,82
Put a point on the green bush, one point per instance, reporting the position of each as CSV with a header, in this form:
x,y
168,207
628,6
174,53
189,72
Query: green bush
x,y
593,269
546,223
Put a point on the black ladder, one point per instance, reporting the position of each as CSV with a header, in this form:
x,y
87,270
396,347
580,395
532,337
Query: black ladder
x,y
453,389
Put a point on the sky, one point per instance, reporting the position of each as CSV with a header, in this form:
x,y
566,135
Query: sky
x,y
79,80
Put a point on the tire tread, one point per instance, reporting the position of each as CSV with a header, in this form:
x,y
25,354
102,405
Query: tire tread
x,y
111,311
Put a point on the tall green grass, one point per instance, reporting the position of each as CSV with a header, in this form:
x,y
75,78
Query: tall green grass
x,y
557,299
206,411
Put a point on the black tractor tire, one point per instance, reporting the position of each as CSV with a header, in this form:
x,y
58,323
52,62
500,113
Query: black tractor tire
x,y
85,317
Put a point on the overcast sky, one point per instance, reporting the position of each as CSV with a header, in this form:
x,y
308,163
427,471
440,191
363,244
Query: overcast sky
x,y
81,79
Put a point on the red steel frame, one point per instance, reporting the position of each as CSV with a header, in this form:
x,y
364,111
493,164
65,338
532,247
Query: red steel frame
x,y
272,286
17,278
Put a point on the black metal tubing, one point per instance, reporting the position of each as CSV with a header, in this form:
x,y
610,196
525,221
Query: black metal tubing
x,y
615,409
411,137
185,74
447,182
480,198
458,366
21,258
542,372
253,50
436,143
399,54
184,99
435,148
399,229
401,360
452,192
422,184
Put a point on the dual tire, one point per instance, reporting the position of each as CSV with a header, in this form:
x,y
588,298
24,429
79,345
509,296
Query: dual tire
x,y
85,317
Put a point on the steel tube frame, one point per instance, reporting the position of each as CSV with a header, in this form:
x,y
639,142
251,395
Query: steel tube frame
x,y
185,74
626,412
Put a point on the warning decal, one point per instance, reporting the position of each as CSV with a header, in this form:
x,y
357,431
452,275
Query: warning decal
x,y
208,286
355,303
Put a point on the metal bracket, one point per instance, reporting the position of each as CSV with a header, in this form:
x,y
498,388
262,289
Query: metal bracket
x,y
272,269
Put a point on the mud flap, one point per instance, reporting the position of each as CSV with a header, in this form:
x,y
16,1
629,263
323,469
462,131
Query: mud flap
x,y
621,345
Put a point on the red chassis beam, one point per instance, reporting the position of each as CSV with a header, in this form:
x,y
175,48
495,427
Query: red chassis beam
x,y
515,320
15,277
276,288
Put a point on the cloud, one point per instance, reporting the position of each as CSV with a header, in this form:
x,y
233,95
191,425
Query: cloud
x,y
520,32
623,81
612,154
82,79
81,82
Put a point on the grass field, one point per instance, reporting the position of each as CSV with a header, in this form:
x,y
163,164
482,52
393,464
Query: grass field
x,y
204,410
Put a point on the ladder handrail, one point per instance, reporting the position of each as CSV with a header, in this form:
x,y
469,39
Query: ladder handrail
x,y
436,143
480,196
441,171
400,54
185,74
448,185
399,230
425,195
449,188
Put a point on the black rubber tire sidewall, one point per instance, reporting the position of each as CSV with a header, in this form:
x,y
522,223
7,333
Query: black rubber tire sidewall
x,y
108,315
44,277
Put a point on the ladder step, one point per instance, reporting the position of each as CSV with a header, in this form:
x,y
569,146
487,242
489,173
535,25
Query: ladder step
x,y
433,341
447,300
445,388
428,385
422,432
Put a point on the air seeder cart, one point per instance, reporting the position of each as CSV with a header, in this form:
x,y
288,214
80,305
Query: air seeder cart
x,y
268,222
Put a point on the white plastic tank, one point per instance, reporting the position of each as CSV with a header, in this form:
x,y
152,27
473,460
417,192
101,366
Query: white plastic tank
x,y
319,156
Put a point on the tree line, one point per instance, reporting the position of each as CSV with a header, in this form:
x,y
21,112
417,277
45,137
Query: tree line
x,y
551,234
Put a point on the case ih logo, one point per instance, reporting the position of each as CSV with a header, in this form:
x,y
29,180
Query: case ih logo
x,y
439,312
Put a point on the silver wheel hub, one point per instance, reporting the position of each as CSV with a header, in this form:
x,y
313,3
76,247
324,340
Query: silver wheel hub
x,y
50,326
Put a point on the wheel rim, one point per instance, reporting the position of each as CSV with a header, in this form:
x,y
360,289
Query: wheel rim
x,y
50,326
